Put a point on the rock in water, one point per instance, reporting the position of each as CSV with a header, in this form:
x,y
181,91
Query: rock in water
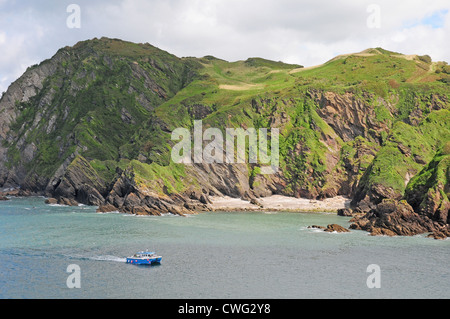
x,y
106,208
331,228
51,201
316,226
336,228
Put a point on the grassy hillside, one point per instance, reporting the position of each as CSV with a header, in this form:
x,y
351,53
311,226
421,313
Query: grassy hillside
x,y
395,87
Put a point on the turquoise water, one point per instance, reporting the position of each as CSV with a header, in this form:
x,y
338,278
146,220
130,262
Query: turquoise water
x,y
209,255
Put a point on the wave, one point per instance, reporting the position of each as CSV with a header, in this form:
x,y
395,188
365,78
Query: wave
x,y
311,229
99,258
108,258
111,212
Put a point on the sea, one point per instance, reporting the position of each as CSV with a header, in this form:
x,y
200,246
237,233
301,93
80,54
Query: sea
x,y
60,252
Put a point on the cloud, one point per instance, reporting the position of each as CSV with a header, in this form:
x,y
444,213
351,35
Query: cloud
x,y
306,32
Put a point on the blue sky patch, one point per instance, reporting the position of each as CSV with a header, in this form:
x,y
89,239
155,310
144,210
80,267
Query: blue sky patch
x,y
436,20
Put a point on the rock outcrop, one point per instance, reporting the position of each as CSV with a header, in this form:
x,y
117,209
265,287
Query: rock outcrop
x,y
428,192
423,208
336,228
441,235
79,183
392,217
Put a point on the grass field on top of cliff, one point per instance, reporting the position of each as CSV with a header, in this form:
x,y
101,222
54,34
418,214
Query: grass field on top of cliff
x,y
376,72
225,86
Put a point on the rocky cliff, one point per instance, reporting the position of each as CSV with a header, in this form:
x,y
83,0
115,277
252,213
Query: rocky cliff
x,y
93,125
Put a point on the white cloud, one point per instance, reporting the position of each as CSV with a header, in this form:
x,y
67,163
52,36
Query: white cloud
x,y
305,32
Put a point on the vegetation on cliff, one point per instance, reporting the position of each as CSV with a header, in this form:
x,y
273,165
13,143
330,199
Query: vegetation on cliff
x,y
97,119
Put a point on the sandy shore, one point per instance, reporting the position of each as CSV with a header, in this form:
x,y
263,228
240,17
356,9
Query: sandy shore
x,y
280,203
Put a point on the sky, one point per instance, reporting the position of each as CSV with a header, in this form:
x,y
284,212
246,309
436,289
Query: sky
x,y
306,32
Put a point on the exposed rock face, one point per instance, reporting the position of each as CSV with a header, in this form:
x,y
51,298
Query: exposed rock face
x,y
22,91
337,119
349,116
440,234
392,217
80,183
366,198
346,212
128,197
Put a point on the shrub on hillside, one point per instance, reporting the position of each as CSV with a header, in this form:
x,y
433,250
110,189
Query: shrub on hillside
x,y
425,58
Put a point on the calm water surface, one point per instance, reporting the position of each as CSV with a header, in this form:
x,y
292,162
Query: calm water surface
x,y
209,255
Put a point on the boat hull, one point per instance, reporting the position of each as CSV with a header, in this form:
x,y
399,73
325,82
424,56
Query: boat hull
x,y
143,261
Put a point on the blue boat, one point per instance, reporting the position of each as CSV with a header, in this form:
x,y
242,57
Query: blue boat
x,y
144,258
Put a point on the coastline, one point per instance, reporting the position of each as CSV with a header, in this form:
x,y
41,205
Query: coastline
x,y
394,219
227,203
